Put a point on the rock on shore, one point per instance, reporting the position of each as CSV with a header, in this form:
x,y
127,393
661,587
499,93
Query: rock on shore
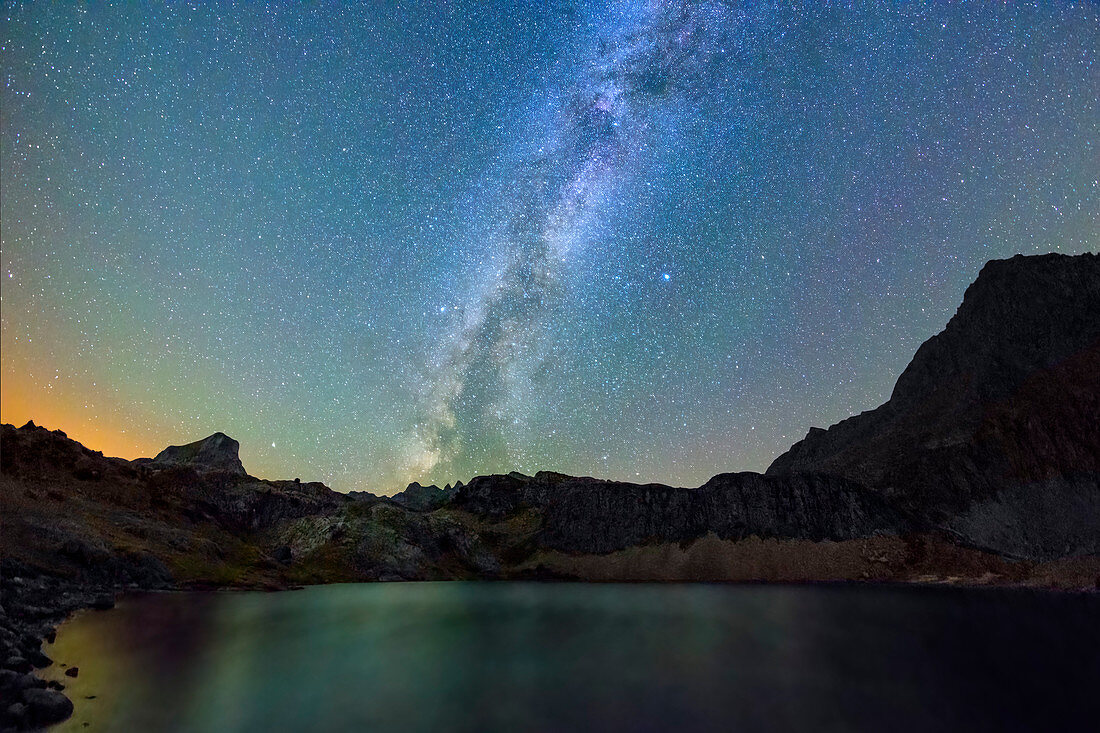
x,y
32,605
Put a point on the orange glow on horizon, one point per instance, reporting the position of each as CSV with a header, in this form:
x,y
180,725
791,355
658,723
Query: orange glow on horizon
x,y
22,402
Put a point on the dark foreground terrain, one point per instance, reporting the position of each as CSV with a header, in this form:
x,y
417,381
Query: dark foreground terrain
x,y
982,468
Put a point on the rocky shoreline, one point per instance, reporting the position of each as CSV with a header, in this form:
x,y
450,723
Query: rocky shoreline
x,y
33,605
980,470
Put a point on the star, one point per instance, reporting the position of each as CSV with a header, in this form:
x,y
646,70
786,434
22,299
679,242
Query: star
x,y
258,226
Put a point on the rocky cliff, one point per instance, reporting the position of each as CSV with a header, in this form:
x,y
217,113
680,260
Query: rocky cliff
x,y
217,452
993,430
595,516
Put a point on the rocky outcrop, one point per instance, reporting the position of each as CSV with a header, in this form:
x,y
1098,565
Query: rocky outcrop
x,y
591,515
217,452
415,497
992,430
384,541
77,527
247,504
425,498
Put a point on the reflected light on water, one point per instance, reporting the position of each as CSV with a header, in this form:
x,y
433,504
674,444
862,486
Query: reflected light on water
x,y
558,656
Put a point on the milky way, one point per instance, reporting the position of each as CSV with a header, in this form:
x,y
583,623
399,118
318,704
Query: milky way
x,y
482,385
391,241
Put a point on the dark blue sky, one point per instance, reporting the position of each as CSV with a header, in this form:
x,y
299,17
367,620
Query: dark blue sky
x,y
642,240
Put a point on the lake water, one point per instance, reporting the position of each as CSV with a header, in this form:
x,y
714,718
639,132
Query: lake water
x,y
563,656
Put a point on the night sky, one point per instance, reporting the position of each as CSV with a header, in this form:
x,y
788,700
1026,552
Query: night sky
x,y
429,240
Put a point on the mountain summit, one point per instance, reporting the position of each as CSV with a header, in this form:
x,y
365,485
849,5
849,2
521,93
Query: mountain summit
x,y
993,430
217,452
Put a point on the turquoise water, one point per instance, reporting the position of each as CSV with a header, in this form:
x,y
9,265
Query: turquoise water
x,y
561,656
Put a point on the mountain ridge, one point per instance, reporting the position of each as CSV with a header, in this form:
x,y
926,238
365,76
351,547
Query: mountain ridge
x,y
983,467
993,415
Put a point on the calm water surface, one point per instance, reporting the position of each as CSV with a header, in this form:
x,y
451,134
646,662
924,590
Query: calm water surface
x,y
558,656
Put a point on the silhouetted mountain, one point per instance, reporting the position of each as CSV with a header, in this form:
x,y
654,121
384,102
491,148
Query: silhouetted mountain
x,y
993,430
983,467
425,498
217,452
365,496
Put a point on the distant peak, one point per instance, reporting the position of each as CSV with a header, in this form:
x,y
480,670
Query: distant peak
x,y
216,452
417,496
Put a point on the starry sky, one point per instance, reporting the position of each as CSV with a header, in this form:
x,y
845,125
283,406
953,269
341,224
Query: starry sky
x,y
648,240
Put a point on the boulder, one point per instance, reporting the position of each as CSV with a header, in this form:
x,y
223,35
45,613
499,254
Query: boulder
x,y
18,663
26,682
46,707
15,715
38,659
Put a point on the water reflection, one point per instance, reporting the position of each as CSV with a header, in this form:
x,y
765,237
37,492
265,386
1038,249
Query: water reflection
x,y
545,657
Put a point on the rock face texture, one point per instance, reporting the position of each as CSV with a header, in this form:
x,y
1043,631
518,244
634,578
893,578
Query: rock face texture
x,y
217,452
993,430
594,516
